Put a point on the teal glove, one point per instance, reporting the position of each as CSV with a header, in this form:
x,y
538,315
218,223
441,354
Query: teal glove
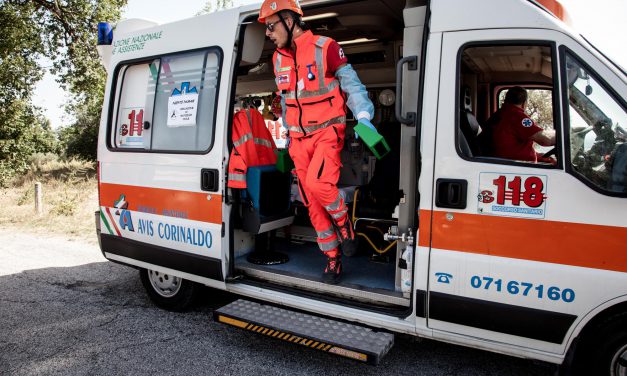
x,y
357,96
367,123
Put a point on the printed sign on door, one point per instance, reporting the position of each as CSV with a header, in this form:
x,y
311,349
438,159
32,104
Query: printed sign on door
x,y
130,132
512,195
182,106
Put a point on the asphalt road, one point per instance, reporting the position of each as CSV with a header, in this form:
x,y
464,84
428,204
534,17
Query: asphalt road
x,y
65,310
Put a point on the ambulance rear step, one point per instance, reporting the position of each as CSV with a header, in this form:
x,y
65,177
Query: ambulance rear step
x,y
348,340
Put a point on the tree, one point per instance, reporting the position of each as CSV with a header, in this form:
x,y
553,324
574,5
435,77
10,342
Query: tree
x,y
65,32
70,30
69,34
540,107
23,129
210,7
80,139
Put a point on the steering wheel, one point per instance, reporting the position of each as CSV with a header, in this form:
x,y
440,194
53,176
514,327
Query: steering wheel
x,y
549,153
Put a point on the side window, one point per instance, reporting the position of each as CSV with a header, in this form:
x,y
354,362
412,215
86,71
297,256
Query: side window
x,y
167,104
597,129
506,95
185,102
136,85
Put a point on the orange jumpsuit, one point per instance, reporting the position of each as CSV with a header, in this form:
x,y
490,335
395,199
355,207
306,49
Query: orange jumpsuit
x,y
315,116
252,146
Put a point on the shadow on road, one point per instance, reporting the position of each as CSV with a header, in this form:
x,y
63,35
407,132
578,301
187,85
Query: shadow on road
x,y
96,319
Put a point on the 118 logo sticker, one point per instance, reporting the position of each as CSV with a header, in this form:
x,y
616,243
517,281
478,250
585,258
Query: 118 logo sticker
x,y
511,195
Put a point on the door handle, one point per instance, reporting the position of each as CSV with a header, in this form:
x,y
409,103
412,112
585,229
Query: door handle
x,y
412,64
451,193
209,179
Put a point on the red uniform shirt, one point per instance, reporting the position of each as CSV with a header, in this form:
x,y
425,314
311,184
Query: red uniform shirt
x,y
335,58
511,133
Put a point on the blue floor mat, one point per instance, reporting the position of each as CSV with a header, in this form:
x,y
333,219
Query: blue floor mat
x,y
306,261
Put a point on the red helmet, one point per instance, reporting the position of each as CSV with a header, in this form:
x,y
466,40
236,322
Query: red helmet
x,y
270,7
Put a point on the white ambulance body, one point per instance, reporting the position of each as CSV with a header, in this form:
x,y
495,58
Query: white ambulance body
x,y
526,259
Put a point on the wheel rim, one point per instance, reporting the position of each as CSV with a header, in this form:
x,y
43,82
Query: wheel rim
x,y
164,284
619,362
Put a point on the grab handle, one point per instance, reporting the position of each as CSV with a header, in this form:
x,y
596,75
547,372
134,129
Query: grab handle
x,y
412,64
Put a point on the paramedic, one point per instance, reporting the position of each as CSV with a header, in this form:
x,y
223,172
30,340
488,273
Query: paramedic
x,y
513,132
311,74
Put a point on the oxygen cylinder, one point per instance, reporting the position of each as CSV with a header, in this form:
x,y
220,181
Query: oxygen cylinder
x,y
405,263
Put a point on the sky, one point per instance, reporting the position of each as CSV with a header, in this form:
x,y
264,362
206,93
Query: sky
x,y
600,21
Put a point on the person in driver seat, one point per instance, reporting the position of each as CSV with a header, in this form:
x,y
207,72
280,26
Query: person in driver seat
x,y
513,132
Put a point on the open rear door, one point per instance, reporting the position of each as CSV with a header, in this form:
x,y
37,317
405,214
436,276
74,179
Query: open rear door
x,y
161,147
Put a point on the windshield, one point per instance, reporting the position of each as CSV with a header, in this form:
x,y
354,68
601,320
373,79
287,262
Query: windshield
x,y
598,130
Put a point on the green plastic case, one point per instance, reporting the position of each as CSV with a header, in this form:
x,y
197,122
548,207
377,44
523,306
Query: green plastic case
x,y
375,142
284,162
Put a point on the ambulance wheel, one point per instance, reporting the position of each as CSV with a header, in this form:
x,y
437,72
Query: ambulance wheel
x,y
604,349
167,291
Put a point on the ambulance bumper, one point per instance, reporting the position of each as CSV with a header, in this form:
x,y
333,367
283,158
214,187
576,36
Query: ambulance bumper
x,y
97,219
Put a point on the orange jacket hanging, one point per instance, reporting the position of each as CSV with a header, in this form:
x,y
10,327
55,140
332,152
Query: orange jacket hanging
x,y
313,101
252,146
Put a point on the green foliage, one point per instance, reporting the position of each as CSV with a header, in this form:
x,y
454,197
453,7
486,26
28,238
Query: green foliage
x,y
66,204
64,32
71,27
49,167
540,107
23,131
21,125
215,5
20,47
69,30
80,139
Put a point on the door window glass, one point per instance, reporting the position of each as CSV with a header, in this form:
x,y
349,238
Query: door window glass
x,y
597,129
185,103
167,104
519,131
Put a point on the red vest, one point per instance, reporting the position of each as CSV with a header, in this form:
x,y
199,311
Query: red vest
x,y
313,101
252,146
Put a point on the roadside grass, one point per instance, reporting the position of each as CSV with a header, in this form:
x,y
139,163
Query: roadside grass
x,y
70,197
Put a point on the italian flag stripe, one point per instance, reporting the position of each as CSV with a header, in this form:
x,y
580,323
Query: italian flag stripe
x,y
104,220
113,222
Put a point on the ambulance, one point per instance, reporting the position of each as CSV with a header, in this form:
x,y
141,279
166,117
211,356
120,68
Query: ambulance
x,y
455,244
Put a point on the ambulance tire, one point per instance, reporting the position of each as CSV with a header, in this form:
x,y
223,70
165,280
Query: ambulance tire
x,y
168,292
602,348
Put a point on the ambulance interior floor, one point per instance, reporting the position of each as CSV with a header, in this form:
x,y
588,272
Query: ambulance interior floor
x,y
307,262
